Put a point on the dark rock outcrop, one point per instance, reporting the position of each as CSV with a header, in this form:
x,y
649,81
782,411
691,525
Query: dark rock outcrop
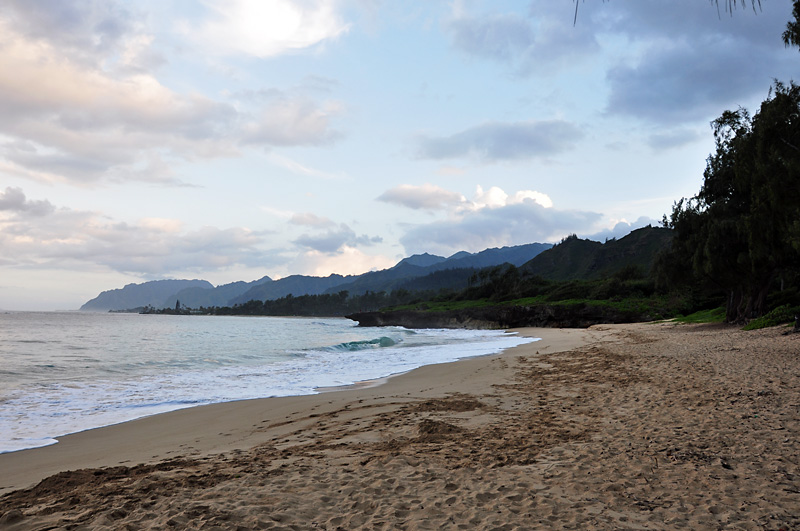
x,y
492,317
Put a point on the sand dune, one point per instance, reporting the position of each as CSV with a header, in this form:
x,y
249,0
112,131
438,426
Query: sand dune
x,y
647,426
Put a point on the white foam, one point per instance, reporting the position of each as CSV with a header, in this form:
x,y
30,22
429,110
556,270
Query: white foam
x,y
35,411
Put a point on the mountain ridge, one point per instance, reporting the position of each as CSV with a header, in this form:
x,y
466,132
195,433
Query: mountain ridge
x,y
571,259
400,276
196,297
132,295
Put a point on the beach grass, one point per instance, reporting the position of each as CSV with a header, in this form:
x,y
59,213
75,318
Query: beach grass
x,y
716,315
779,316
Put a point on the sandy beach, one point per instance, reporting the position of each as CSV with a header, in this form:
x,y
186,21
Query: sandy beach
x,y
645,426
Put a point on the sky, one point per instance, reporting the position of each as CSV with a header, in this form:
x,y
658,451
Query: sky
x,y
231,139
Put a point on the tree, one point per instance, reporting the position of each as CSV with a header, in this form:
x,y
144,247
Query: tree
x,y
791,37
741,230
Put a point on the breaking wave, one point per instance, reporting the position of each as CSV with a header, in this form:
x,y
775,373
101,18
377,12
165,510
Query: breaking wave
x,y
351,346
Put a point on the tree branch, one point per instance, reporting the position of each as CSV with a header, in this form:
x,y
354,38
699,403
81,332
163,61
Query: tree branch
x,y
730,5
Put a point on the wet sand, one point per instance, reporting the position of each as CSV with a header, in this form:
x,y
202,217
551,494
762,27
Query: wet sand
x,y
646,426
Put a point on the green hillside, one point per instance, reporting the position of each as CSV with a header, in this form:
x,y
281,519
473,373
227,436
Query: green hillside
x,y
577,259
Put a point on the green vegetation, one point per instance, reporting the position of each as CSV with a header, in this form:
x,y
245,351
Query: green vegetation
x,y
717,315
780,315
577,259
626,294
625,291
791,37
327,304
740,235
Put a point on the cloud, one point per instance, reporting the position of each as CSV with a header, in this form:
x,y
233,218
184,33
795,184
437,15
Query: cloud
x,y
537,42
293,122
310,220
268,28
73,121
38,235
98,34
677,84
72,112
431,197
424,197
495,197
497,141
494,218
349,261
685,19
496,36
13,200
334,240
673,62
513,224
622,228
689,64
87,28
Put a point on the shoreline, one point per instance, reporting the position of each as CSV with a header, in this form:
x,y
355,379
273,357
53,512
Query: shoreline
x,y
377,382
190,431
643,426
112,389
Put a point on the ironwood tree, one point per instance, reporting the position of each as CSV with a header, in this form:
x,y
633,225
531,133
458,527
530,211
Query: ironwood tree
x,y
741,231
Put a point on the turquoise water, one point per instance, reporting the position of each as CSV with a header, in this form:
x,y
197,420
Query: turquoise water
x,y
63,372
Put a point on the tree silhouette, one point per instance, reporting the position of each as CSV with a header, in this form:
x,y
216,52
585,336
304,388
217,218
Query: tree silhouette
x,y
741,231
791,37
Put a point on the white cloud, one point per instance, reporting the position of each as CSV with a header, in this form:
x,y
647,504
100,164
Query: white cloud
x,y
293,122
496,197
310,220
36,77
494,218
163,225
268,28
424,197
72,121
620,228
432,197
536,197
13,200
78,113
88,30
512,224
35,234
334,240
349,261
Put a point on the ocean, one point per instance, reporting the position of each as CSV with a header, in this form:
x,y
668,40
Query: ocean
x,y
65,372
